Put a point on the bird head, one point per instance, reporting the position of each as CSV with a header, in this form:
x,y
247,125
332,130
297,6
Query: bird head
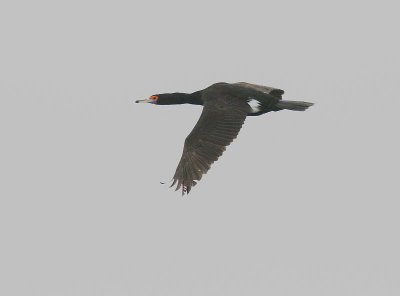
x,y
152,100
168,99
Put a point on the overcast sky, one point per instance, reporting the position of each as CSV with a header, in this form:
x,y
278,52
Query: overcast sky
x,y
302,203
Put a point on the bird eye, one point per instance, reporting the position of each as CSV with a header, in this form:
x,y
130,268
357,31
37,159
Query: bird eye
x,y
154,97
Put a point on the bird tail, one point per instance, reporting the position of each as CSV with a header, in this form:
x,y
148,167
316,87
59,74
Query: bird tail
x,y
294,105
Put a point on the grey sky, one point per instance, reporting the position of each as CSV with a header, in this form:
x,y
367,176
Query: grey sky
x,y
300,203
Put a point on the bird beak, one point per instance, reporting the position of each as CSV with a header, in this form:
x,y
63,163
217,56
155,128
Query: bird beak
x,y
145,101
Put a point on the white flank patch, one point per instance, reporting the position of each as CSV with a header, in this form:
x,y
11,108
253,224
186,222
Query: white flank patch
x,y
255,105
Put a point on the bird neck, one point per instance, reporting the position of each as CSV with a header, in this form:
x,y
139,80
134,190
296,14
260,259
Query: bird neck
x,y
183,98
194,98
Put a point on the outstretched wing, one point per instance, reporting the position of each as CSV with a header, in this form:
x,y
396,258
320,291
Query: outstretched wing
x,y
217,127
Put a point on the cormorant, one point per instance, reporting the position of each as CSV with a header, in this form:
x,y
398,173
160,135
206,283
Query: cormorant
x,y
226,106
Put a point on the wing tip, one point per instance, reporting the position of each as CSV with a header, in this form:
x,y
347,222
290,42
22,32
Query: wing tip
x,y
181,184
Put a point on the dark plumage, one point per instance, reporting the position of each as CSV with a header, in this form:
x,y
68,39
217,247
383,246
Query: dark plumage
x,y
226,107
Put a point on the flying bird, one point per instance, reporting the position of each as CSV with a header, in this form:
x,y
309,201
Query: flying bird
x,y
226,106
